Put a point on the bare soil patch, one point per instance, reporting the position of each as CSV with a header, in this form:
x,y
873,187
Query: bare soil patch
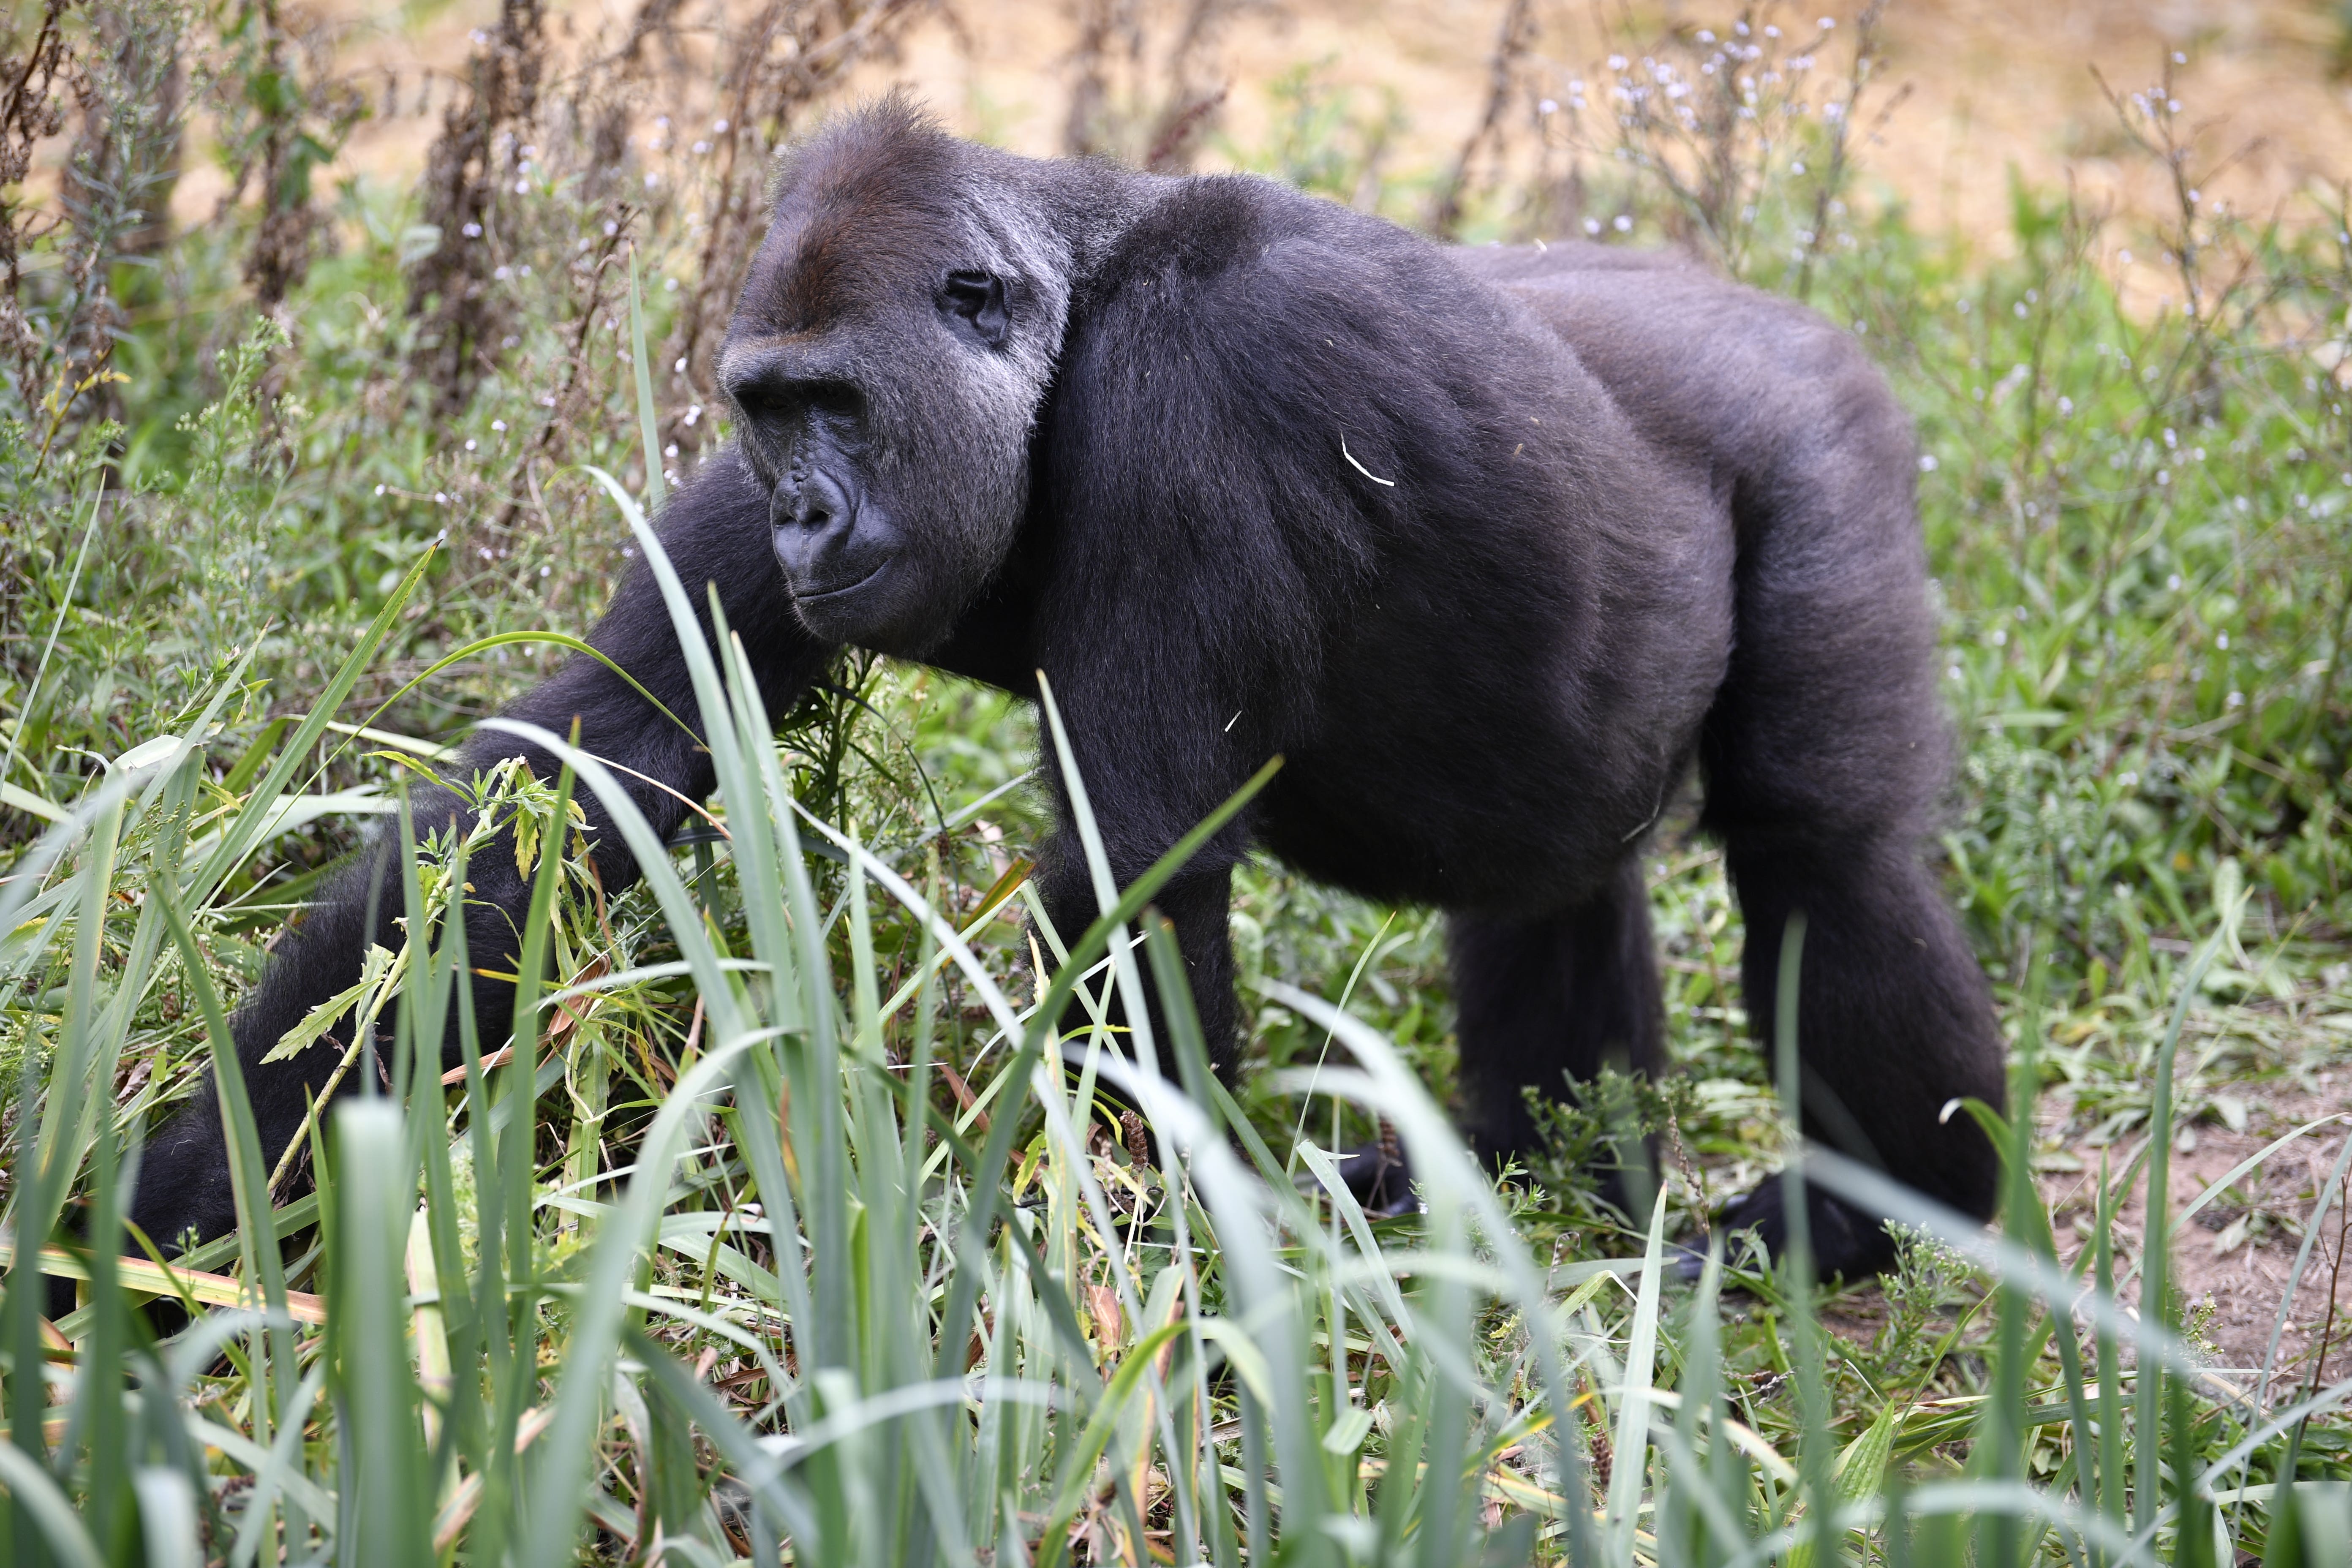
x,y
2233,1261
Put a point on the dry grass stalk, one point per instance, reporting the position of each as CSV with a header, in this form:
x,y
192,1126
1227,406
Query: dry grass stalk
x,y
280,256
791,58
1121,106
121,66
1513,44
473,166
36,75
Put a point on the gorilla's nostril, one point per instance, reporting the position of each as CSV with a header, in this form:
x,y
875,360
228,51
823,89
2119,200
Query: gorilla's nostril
x,y
817,503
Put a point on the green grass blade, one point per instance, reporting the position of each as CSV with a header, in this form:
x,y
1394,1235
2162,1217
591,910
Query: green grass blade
x,y
648,422
107,1498
167,1519
387,1509
43,1512
518,1095
517,639
1632,1469
1042,1026
26,710
2332,1190
1441,1162
2155,1288
257,1232
243,838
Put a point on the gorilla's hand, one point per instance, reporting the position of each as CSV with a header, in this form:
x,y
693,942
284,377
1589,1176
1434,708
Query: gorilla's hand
x,y
1379,1177
1848,1242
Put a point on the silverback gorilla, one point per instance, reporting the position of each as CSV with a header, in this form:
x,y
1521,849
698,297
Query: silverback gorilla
x,y
1490,544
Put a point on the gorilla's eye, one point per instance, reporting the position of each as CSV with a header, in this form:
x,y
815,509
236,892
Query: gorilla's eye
x,y
974,303
837,400
771,397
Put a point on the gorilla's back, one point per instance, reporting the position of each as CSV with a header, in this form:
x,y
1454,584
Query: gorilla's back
x,y
1697,363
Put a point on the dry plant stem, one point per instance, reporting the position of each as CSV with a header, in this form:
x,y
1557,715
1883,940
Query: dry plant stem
x,y
297,1147
1090,84
1714,124
1193,103
1601,1451
31,114
472,162
122,93
2058,288
1694,1176
1512,45
497,1058
1171,153
2169,149
761,101
2334,1281
281,247
962,1091
1834,178
1111,112
2194,361
558,420
654,19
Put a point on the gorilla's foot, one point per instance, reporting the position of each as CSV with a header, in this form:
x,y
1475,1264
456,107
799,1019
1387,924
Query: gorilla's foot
x,y
1379,1178
1848,1242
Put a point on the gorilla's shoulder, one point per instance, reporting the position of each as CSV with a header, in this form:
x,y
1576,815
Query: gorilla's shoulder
x,y
1214,226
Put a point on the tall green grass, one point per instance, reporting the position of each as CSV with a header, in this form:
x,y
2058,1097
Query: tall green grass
x,y
792,1227
986,1334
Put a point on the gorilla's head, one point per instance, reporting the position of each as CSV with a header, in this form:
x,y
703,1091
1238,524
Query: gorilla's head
x,y
889,357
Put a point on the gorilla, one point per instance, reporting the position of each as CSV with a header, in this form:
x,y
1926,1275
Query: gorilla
x,y
1492,545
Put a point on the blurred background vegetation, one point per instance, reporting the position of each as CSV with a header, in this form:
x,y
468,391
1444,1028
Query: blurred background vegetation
x,y
297,299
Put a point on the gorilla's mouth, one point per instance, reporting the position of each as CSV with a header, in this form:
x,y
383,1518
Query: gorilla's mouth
x,y
812,596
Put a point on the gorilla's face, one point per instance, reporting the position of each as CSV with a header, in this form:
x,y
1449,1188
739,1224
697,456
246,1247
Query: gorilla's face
x,y
888,358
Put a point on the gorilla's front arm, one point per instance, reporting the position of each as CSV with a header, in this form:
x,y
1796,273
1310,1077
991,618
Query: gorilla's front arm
x,y
715,530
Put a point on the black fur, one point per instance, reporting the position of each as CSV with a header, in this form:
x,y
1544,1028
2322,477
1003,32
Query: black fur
x,y
1492,545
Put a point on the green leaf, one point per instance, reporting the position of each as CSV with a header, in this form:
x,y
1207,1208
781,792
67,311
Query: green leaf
x,y
648,425
1862,1464
327,1013
1348,1432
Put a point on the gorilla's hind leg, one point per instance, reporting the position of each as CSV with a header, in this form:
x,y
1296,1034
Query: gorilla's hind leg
x,y
1548,1002
1894,1024
1823,759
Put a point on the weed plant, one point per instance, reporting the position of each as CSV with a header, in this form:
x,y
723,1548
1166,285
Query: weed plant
x,y
785,1227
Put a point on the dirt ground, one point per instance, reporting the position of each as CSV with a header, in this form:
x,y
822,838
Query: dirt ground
x,y
2234,1257
2231,1260
1985,86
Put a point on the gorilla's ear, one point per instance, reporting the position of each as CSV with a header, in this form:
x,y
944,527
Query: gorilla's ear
x,y
973,304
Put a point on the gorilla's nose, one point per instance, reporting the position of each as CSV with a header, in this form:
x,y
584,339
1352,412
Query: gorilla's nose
x,y
816,536
818,505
